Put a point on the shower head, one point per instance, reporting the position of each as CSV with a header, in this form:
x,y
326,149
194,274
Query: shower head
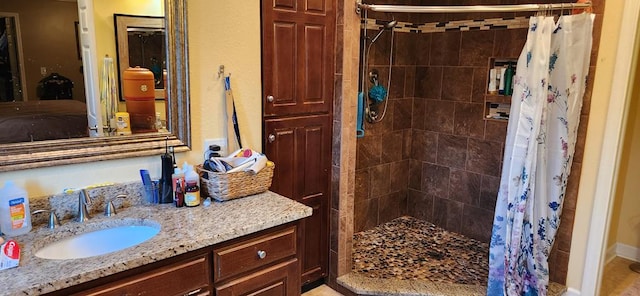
x,y
388,26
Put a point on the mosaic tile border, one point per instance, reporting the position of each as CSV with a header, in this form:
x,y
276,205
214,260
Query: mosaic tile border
x,y
462,25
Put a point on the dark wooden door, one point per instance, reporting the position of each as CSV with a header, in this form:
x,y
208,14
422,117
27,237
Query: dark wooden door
x,y
298,78
297,56
301,149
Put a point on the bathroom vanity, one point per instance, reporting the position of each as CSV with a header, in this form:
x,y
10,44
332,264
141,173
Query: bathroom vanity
x,y
231,248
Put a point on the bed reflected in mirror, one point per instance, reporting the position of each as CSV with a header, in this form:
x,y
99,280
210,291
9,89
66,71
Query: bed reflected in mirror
x,y
42,93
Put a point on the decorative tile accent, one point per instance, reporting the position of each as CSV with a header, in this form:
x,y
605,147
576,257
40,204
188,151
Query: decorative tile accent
x,y
461,25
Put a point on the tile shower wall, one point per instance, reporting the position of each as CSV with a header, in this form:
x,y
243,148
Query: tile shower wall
x,y
445,167
455,168
383,154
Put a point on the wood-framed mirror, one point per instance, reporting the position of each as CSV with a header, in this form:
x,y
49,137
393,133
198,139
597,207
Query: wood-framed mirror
x,y
27,155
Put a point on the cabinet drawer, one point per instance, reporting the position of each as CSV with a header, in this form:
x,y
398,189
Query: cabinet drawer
x,y
253,253
279,280
189,277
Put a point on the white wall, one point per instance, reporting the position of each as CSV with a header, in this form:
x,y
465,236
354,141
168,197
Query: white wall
x,y
220,32
598,169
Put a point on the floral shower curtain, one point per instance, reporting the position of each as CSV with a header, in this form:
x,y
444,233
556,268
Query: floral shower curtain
x,y
549,84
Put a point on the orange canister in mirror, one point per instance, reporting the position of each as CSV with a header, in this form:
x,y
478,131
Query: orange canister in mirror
x,y
139,95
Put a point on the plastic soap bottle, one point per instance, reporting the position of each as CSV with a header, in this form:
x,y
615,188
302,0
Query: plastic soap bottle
x,y
192,190
15,216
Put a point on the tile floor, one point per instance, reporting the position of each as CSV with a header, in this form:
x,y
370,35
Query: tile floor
x,y
323,290
618,279
408,256
407,248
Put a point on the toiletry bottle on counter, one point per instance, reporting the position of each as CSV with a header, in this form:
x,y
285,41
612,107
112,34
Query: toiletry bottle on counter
x,y
192,190
179,195
177,177
15,217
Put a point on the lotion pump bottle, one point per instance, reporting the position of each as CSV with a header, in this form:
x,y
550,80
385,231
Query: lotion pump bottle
x,y
15,216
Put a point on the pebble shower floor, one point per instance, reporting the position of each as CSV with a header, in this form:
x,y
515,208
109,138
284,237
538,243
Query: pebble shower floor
x,y
409,248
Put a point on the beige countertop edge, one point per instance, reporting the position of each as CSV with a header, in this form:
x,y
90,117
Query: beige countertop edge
x,y
181,230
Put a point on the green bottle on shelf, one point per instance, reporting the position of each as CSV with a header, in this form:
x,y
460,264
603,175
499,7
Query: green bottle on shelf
x,y
508,80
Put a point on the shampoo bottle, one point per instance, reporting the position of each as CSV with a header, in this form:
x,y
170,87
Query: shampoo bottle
x,y
15,216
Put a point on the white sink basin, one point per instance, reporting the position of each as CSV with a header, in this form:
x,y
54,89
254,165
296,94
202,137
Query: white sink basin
x,y
97,242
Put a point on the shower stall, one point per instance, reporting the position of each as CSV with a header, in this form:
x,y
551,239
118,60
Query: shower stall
x,y
431,167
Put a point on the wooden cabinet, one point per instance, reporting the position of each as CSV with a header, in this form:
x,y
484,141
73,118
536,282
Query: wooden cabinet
x,y
298,56
264,263
301,149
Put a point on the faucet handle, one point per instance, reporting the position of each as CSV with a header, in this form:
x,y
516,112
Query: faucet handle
x,y
53,218
110,209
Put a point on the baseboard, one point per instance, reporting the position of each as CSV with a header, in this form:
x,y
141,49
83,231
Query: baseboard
x,y
572,292
610,254
628,252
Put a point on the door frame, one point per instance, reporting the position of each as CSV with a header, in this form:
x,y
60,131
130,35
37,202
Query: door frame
x,y
610,153
23,78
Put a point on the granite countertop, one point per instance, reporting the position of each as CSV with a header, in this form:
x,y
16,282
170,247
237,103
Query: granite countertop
x,y
181,230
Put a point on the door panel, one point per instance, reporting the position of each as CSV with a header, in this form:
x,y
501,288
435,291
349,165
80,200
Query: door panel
x,y
315,6
284,64
281,153
284,4
314,240
314,80
307,53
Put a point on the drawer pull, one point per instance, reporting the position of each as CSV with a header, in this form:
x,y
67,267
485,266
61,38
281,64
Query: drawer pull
x,y
194,292
262,254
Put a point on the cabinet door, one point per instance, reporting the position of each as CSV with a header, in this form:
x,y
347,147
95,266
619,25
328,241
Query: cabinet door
x,y
300,148
279,280
297,56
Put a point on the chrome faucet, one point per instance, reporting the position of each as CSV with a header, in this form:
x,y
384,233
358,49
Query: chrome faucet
x,y
83,200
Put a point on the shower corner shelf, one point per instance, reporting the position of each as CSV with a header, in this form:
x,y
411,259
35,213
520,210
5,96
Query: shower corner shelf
x,y
495,104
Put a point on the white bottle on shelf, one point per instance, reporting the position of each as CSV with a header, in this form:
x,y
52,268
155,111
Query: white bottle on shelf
x,y
492,89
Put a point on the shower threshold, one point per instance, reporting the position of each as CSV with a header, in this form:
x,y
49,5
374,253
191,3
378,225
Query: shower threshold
x,y
408,256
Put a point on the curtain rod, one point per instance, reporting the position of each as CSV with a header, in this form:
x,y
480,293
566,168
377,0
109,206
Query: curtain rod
x,y
471,8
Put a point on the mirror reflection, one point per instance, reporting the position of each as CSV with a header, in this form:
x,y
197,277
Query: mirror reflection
x,y
141,43
96,29
42,83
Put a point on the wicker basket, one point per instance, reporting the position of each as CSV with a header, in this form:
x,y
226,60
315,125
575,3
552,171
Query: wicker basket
x,y
228,186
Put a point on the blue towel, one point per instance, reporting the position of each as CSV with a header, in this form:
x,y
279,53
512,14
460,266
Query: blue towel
x,y
360,118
